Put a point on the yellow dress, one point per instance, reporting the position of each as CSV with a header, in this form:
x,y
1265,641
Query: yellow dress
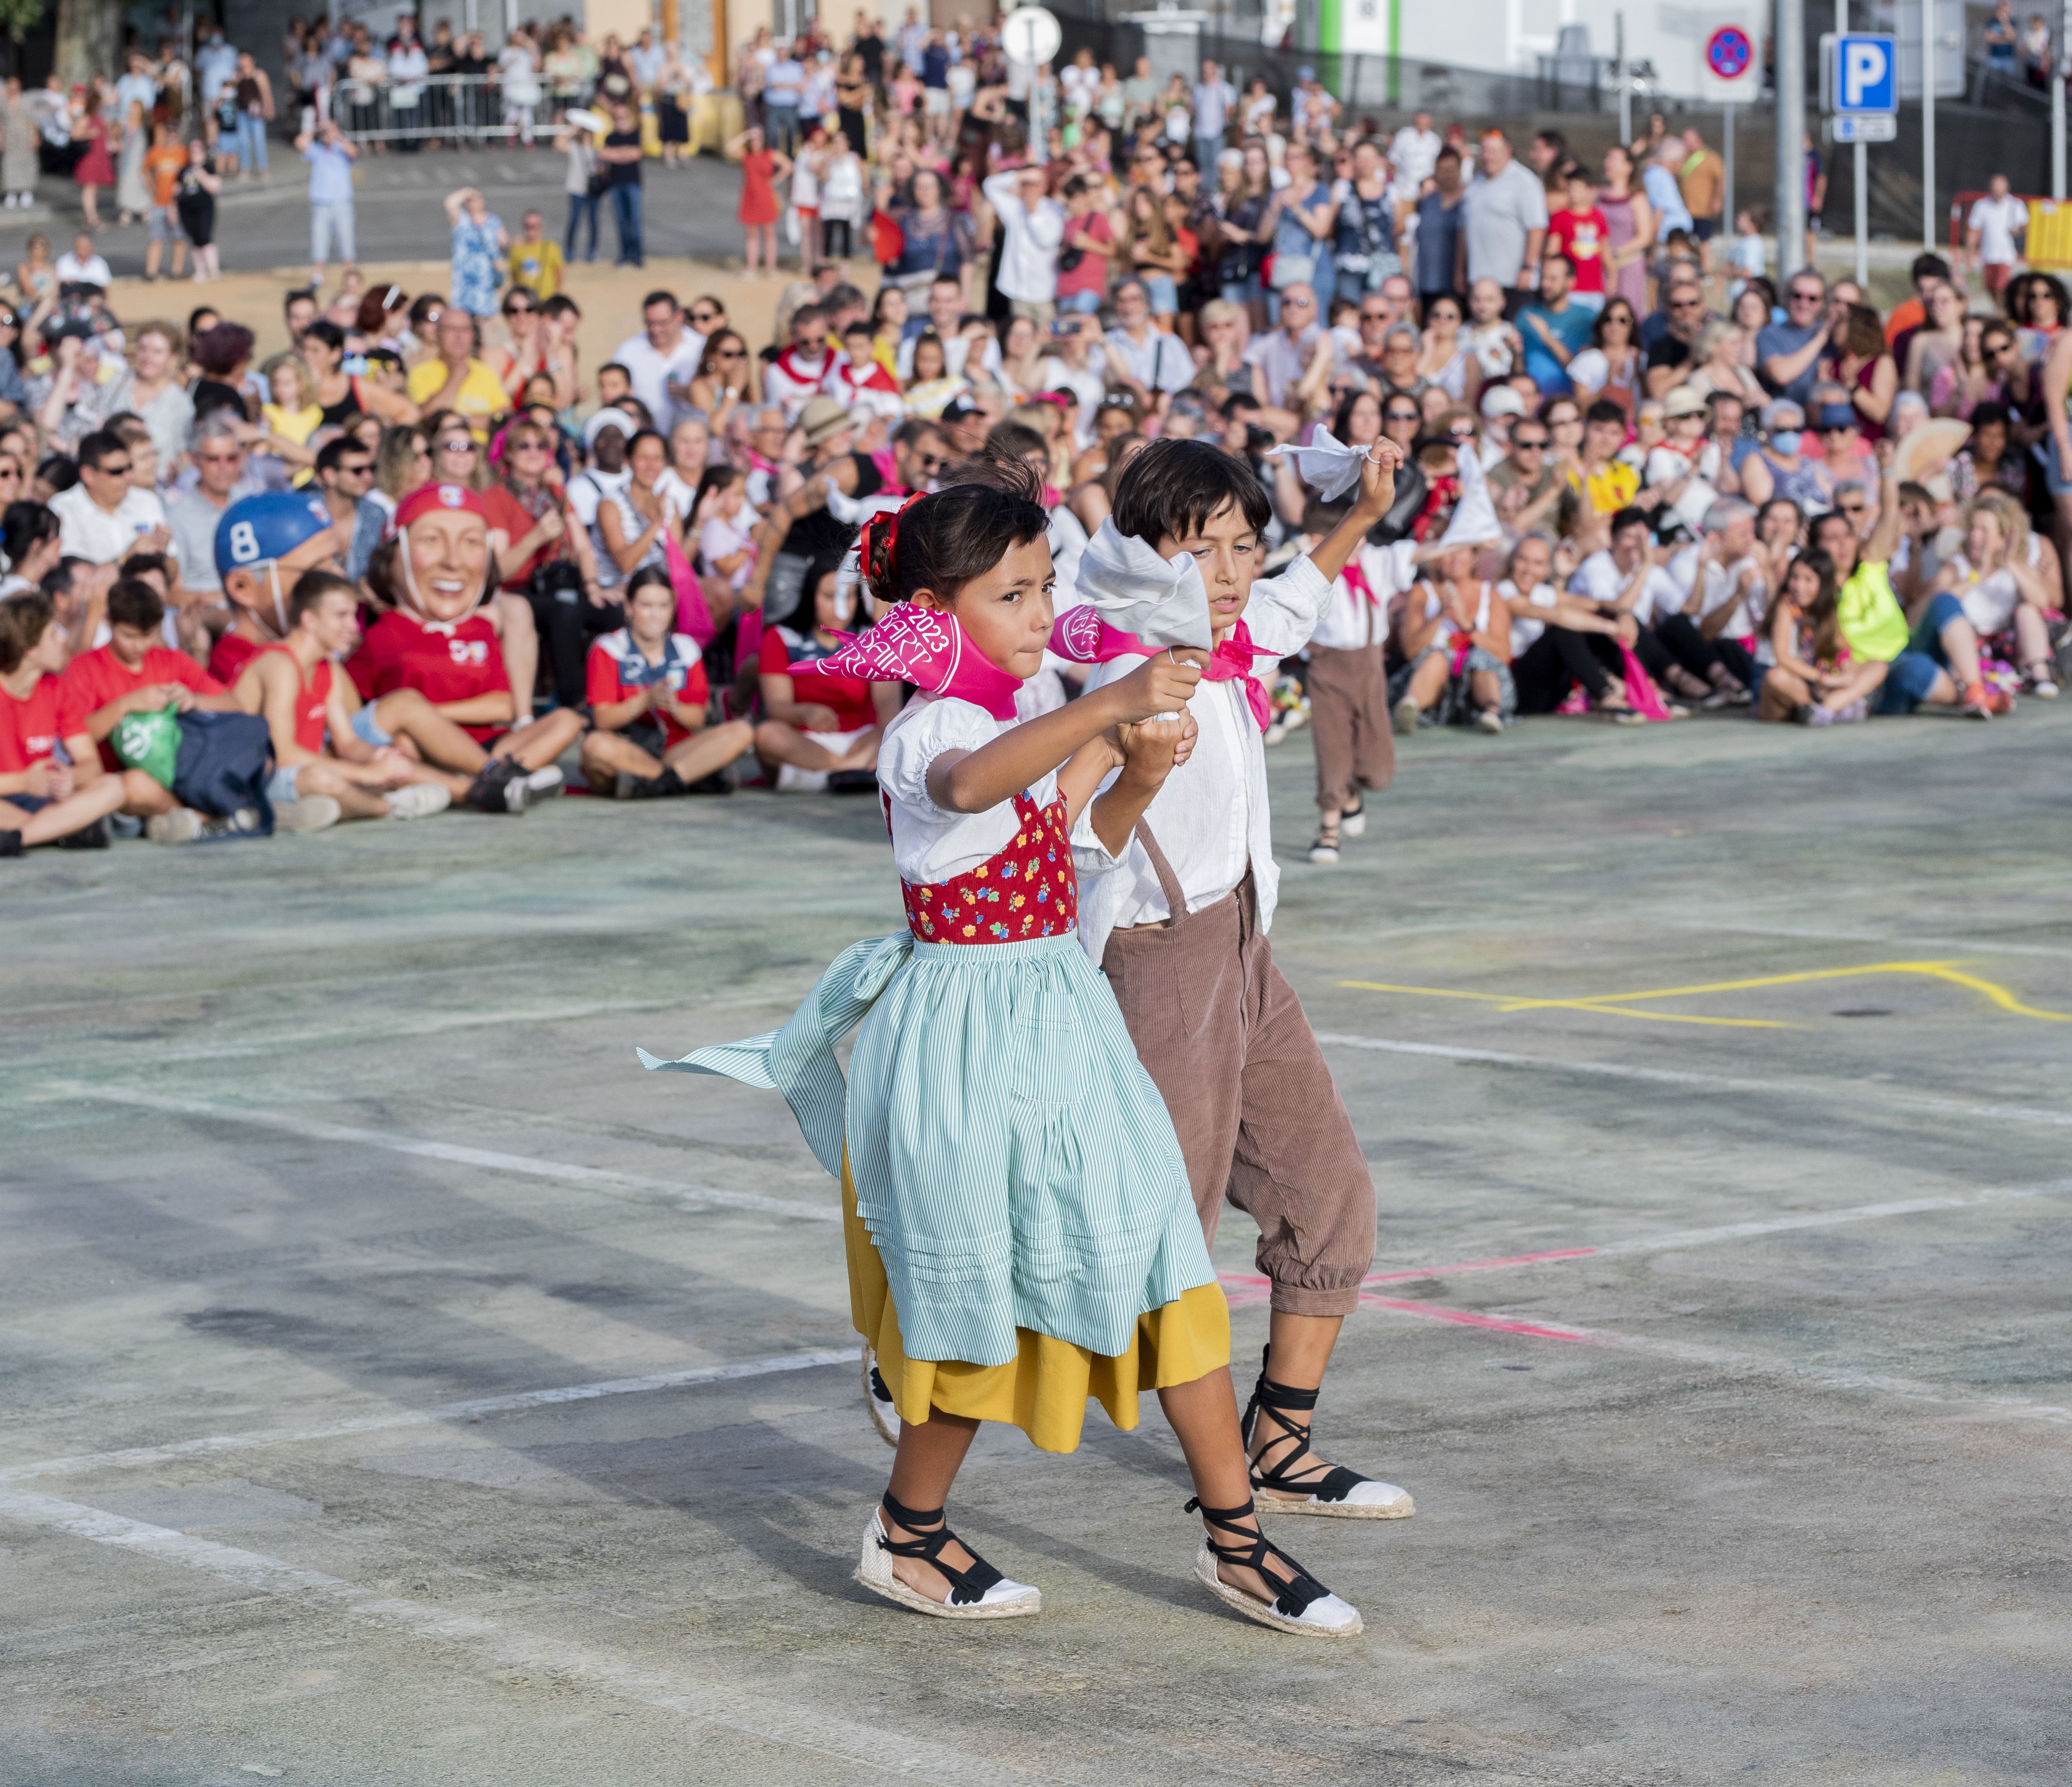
x,y
1044,1391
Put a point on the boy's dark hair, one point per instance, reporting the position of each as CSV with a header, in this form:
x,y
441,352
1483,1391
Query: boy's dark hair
x,y
311,587
327,334
24,617
140,564
58,579
1628,517
335,449
104,443
614,366
1605,410
958,533
25,527
1016,440
1173,486
133,603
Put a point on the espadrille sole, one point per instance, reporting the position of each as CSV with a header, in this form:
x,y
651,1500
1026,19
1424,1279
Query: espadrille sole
x,y
1205,1569
1266,1502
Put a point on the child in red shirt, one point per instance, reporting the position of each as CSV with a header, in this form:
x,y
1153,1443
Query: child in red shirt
x,y
647,694
41,800
1580,234
805,744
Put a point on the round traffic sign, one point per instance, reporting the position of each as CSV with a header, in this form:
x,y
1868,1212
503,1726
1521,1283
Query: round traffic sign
x,y
1031,35
1729,53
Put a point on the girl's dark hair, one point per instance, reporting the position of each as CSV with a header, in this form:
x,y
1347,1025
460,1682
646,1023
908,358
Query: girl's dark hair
x,y
24,528
646,578
1342,418
805,618
958,533
218,351
716,478
328,333
58,472
1173,486
1820,613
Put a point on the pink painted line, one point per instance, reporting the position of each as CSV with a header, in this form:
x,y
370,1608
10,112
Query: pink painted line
x,y
1468,1319
1480,1265
1244,1290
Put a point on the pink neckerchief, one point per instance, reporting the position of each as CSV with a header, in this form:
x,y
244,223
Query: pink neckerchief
x,y
1356,579
1082,635
910,644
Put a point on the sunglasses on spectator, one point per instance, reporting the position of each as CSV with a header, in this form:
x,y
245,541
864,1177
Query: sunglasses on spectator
x,y
458,443
521,310
1400,416
355,468
1298,303
1805,297
730,353
934,461
533,445
107,470
703,317
1522,446
1852,508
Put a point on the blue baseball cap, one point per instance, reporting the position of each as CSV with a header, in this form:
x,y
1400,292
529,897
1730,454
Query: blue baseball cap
x,y
262,529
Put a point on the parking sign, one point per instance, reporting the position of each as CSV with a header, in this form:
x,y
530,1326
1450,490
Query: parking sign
x,y
1866,73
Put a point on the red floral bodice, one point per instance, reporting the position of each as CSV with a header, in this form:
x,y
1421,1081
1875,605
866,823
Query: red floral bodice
x,y
1028,891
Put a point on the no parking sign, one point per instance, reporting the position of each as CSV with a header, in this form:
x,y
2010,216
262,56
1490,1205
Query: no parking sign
x,y
1730,58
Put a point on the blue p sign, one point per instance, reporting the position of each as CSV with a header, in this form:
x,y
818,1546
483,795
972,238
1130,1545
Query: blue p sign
x,y
1864,69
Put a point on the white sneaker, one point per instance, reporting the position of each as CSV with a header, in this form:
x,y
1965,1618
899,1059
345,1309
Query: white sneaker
x,y
181,825
545,783
311,813
418,800
1005,1599
1489,719
878,1399
1406,718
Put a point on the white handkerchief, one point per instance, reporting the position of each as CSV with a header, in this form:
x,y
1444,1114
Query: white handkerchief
x,y
1328,468
1162,601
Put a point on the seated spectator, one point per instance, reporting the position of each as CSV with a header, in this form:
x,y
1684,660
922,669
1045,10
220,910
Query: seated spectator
x,y
1610,369
1721,575
29,537
323,770
1988,461
647,696
104,517
1776,470
1455,633
1560,641
453,378
261,546
1934,663
1604,482
635,516
1815,679
828,727
1673,475
2001,586
438,647
135,673
720,514
41,800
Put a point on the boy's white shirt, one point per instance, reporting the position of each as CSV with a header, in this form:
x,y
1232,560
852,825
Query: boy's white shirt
x,y
1349,623
1208,836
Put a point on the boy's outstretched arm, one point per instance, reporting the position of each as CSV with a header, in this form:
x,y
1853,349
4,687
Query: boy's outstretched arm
x,y
1377,496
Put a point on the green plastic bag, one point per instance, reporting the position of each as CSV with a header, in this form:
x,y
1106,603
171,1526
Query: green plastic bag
x,y
149,742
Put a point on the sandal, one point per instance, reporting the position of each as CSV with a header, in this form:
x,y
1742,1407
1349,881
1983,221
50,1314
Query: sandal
x,y
1353,820
1303,1605
977,1592
1342,1494
1324,847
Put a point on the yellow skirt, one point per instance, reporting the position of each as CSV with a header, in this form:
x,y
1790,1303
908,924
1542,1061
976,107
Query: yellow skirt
x,y
1044,1391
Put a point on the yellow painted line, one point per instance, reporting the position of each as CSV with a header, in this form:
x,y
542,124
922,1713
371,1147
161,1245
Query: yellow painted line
x,y
1613,1004
1509,1002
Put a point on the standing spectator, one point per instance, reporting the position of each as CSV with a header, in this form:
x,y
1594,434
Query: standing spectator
x,y
1365,249
535,259
1504,219
1032,225
2001,40
331,157
621,157
518,77
407,67
95,170
1151,362
1303,219
1701,183
194,201
761,169
1629,228
18,139
480,240
1439,243
1995,231
844,200
782,88
1579,232
1213,100
583,200
164,163
254,93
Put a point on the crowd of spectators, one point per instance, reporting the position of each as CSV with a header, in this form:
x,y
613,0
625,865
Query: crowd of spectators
x,y
1643,478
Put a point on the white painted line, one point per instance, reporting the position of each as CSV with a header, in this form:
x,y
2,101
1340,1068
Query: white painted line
x,y
1823,1090
522,1399
754,1716
530,1166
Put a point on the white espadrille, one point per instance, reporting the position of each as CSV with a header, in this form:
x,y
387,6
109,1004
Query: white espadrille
x,y
878,1399
1304,1607
1366,1499
998,1599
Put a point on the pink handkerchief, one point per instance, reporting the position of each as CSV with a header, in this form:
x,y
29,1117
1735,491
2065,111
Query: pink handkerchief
x,y
911,644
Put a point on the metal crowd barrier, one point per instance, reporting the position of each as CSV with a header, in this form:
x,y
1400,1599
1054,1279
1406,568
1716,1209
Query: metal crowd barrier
x,y
451,108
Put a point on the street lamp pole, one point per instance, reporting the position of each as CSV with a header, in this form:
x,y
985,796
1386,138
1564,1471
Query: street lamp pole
x,y
1790,137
